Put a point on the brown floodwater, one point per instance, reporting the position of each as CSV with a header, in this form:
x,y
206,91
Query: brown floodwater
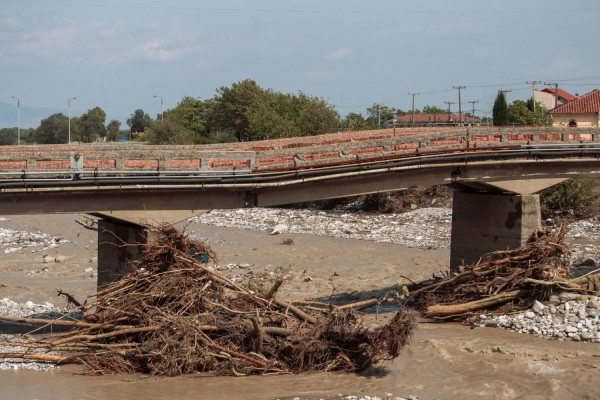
x,y
444,361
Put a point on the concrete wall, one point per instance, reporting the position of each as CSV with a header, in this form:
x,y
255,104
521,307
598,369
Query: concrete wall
x,y
546,99
483,222
583,120
118,243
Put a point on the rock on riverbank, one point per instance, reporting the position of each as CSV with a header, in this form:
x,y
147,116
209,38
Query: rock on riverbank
x,y
565,317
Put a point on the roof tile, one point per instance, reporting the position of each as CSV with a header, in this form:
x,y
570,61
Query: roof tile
x,y
589,103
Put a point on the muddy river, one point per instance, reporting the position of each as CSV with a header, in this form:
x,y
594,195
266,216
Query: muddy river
x,y
444,361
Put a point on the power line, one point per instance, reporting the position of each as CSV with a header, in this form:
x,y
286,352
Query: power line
x,y
579,79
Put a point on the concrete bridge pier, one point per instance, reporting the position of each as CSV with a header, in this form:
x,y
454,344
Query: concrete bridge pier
x,y
118,243
484,222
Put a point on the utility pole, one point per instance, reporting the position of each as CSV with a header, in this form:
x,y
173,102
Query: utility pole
x,y
69,106
473,102
378,115
555,93
162,114
533,83
412,115
459,102
18,120
506,91
449,102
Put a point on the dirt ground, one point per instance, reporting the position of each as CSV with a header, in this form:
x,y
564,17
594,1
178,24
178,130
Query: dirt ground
x,y
444,361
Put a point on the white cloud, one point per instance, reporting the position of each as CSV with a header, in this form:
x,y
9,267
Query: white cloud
x,y
106,43
340,54
170,49
51,41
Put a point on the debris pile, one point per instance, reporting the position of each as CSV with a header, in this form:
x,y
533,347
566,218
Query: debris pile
x,y
504,280
174,315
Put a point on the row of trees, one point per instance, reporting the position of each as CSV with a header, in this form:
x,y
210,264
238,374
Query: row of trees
x,y
88,127
519,112
243,112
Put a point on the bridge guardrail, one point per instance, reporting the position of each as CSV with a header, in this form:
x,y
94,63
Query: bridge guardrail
x,y
279,153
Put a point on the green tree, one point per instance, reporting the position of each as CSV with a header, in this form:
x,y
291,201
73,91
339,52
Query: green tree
x,y
580,196
248,112
113,131
530,104
233,105
8,136
139,121
274,116
315,115
434,110
168,131
521,112
385,113
90,126
500,110
52,130
287,115
193,114
355,122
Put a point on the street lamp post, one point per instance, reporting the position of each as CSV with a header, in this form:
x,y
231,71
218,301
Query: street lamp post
x,y
18,119
69,104
162,115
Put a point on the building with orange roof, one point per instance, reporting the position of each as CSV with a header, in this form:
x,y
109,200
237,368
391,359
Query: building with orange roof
x,y
433,120
552,98
582,112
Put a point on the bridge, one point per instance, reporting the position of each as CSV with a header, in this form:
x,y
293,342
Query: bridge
x,y
495,173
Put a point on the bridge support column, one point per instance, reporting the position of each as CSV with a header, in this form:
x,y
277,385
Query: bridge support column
x,y
118,243
484,222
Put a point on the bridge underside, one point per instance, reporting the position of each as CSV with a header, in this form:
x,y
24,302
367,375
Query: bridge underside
x,y
494,208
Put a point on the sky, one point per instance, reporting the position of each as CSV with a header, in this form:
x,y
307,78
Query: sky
x,y
120,54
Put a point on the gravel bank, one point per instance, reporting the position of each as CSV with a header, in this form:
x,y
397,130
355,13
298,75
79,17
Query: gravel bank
x,y
9,308
565,317
426,228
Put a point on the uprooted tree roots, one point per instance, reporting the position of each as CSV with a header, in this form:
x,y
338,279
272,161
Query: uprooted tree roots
x,y
173,315
503,280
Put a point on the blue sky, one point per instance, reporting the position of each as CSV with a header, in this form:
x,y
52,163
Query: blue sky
x,y
118,54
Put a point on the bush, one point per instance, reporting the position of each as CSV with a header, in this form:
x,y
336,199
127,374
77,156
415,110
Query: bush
x,y
580,197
